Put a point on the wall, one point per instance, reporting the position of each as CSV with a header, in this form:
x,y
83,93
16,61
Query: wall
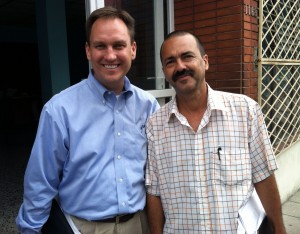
x,y
288,176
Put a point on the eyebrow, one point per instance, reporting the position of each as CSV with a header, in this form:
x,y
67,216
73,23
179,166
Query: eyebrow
x,y
187,53
114,42
183,54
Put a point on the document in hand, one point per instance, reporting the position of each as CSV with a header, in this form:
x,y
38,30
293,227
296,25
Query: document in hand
x,y
57,222
251,215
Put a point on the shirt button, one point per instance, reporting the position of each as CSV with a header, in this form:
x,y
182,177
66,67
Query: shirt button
x,y
123,203
121,180
119,134
117,111
119,157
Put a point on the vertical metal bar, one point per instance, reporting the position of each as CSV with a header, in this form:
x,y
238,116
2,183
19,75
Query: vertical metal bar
x,y
91,5
161,93
158,39
259,59
170,12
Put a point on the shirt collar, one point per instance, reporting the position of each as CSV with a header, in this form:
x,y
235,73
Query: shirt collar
x,y
100,90
215,101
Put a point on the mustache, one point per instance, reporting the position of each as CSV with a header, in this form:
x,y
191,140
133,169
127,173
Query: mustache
x,y
184,72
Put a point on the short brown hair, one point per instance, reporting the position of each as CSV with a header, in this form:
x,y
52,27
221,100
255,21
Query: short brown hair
x,y
110,12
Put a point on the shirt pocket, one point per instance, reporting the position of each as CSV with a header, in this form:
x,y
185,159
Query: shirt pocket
x,y
234,166
136,142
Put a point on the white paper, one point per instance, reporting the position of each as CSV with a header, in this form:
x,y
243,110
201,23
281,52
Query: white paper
x,y
72,225
251,215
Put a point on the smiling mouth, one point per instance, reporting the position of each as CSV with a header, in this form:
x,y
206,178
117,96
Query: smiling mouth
x,y
112,66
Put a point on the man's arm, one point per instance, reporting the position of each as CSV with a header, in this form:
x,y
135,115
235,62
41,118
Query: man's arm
x,y
156,218
269,195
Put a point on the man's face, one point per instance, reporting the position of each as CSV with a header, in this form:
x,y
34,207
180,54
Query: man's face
x,y
110,52
183,65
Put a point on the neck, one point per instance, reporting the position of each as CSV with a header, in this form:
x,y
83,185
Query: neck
x,y
193,102
193,107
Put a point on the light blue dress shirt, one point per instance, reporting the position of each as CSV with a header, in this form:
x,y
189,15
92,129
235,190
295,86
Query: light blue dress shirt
x,y
90,151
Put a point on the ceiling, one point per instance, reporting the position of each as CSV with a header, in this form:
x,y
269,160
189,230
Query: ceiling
x,y
21,13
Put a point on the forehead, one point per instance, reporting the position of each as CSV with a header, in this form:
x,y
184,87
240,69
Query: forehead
x,y
109,28
179,44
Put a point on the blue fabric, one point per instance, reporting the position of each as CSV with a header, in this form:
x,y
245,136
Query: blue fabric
x,y
90,151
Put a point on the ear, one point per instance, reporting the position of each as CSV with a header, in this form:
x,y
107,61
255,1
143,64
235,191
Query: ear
x,y
205,58
87,51
133,50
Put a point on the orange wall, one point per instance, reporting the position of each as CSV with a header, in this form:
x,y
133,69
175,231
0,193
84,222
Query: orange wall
x,y
229,32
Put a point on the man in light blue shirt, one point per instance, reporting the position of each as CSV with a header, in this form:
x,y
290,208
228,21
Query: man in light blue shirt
x,y
90,149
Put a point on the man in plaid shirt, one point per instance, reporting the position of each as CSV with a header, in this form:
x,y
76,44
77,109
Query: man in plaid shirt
x,y
208,150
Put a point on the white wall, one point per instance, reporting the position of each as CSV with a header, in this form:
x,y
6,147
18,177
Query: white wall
x,y
288,174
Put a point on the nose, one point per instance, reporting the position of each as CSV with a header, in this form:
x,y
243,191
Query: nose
x,y
180,65
110,54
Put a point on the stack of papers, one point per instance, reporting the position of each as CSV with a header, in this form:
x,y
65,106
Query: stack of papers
x,y
251,215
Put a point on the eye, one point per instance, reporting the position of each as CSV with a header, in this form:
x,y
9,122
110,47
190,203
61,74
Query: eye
x,y
119,46
187,57
100,46
169,62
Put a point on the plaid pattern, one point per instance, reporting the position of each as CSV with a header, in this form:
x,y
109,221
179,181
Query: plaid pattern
x,y
201,187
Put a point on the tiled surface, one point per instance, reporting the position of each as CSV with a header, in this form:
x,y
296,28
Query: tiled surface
x,y
295,197
291,214
15,146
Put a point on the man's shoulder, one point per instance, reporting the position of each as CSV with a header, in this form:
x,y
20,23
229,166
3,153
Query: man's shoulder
x,y
68,95
229,98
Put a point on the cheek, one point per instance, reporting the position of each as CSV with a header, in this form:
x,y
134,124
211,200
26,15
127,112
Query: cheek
x,y
168,76
168,72
95,55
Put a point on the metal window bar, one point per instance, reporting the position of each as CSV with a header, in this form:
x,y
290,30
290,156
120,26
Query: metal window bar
x,y
279,70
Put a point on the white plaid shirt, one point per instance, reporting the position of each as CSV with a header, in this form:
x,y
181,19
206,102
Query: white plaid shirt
x,y
203,178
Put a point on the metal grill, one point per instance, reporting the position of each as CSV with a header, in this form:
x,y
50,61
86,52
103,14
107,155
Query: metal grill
x,y
279,70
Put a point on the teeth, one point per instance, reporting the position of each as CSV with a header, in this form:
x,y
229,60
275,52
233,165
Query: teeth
x,y
110,66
